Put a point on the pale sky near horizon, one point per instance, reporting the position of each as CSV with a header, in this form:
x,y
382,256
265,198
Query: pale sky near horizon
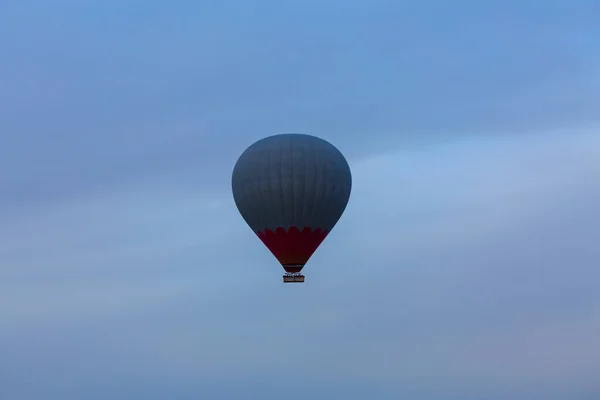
x,y
465,266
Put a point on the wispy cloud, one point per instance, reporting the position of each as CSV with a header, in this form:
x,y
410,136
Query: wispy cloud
x,y
464,266
473,264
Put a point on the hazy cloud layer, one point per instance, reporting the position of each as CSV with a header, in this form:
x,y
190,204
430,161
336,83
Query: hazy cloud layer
x,y
465,266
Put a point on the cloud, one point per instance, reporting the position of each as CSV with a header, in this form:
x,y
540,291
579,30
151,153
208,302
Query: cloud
x,y
464,262
464,266
165,91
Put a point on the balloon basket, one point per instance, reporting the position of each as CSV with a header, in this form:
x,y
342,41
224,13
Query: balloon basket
x,y
293,278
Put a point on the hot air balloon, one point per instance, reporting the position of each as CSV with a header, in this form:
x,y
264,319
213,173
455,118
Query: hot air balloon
x,y
291,189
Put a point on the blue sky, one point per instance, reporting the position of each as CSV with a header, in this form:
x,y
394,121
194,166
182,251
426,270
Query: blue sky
x,y
468,251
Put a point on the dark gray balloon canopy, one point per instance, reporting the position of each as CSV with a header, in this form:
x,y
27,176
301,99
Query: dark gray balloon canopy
x,y
291,189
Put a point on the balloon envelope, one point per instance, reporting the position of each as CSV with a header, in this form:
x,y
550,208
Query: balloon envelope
x,y
291,189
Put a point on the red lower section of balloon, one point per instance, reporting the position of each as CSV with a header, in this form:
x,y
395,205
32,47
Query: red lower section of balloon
x,y
293,247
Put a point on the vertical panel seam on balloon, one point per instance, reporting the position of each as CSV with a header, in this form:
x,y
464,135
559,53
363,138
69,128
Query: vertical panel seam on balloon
x,y
316,179
324,205
275,210
265,218
292,162
305,191
281,197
